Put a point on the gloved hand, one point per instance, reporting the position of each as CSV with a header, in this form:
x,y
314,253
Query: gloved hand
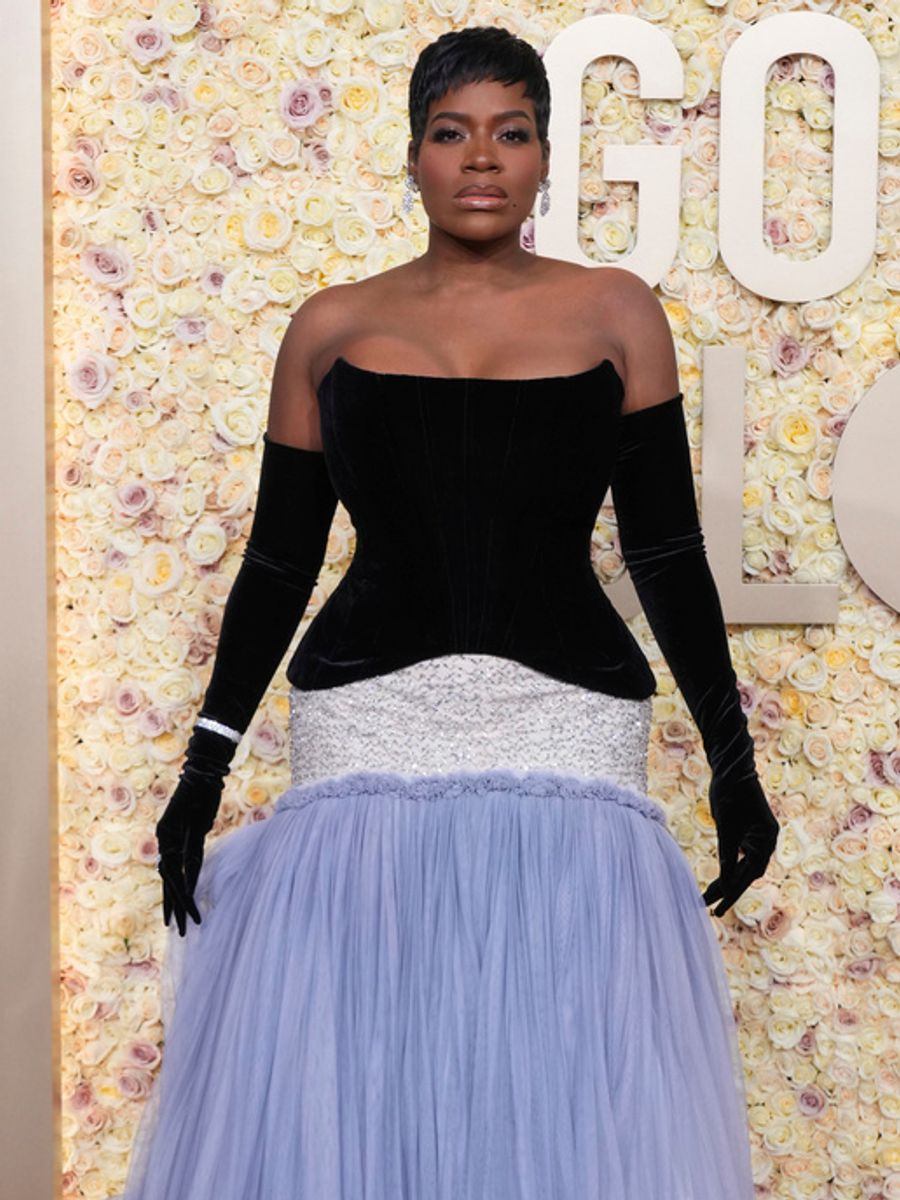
x,y
188,818
663,548
744,821
294,509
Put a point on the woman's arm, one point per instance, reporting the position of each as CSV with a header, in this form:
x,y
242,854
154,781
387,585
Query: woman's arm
x,y
663,547
295,506
283,556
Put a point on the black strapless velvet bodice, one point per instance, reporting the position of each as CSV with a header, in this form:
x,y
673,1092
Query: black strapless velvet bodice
x,y
473,501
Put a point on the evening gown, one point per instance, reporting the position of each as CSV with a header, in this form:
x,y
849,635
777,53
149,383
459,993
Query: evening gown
x,y
464,958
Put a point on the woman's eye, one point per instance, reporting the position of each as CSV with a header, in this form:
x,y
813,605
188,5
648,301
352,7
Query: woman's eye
x,y
518,135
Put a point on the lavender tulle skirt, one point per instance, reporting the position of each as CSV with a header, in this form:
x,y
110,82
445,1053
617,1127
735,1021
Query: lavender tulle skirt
x,y
464,959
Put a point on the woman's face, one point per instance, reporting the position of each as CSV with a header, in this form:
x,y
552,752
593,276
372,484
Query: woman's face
x,y
480,134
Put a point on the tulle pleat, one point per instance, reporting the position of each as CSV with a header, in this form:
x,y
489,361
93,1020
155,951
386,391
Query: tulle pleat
x,y
477,986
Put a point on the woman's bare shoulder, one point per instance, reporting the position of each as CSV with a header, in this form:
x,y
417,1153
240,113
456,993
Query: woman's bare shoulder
x,y
305,353
637,322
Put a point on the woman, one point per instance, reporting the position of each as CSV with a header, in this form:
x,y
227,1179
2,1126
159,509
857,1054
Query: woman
x,y
465,957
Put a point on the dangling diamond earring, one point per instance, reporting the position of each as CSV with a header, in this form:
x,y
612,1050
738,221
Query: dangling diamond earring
x,y
411,186
544,189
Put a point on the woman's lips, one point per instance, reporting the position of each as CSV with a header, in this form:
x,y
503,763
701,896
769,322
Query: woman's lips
x,y
479,200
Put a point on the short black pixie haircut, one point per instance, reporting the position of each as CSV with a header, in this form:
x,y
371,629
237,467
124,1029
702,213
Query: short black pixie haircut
x,y
470,55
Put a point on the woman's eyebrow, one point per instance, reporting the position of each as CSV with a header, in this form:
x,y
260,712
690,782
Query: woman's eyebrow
x,y
513,112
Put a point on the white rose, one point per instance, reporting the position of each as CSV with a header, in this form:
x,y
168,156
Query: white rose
x,y
206,543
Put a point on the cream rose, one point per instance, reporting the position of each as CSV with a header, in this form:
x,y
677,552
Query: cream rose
x,y
158,570
205,543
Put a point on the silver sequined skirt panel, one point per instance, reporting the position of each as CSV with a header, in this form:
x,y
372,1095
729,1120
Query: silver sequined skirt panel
x,y
468,712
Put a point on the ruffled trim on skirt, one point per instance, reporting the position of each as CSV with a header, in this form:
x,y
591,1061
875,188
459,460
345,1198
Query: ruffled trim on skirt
x,y
511,992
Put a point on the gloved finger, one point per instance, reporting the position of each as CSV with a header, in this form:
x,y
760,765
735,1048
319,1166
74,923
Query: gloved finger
x,y
728,845
193,861
713,891
192,864
755,863
736,885
759,844
172,871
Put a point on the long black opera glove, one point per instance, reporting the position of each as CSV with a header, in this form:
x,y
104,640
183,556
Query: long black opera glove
x,y
663,548
283,556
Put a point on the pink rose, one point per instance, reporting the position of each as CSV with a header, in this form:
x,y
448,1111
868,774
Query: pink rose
x,y
770,710
77,176
776,231
231,527
776,925
127,699
301,103
865,968
710,106
145,968
190,330
146,43
663,131
787,355
107,265
136,400
224,154
811,1101
199,650
165,94
147,850
72,73
209,620
858,817
133,1084
319,153
784,68
807,1043
748,696
144,1054
91,378
87,147
82,1097
69,476
212,280
267,741
159,790
148,524
134,498
120,798
151,723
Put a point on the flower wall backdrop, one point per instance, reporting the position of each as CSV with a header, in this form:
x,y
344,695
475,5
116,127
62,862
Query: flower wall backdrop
x,y
213,166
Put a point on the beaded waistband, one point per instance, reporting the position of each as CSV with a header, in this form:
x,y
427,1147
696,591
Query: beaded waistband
x,y
462,712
